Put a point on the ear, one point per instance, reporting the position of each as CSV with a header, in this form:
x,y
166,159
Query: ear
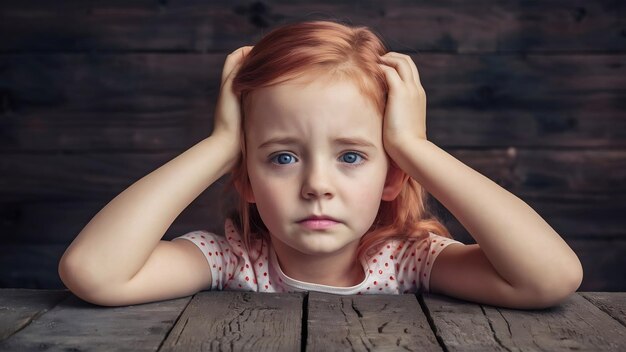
x,y
393,183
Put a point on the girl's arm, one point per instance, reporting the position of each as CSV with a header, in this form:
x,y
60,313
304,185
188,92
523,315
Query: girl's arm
x,y
118,240
519,260
116,244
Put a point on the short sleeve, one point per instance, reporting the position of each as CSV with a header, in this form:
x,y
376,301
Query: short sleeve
x,y
213,247
232,266
416,262
435,245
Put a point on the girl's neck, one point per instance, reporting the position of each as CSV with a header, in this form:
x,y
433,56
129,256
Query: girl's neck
x,y
340,269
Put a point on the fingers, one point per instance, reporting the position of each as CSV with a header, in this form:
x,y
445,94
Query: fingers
x,y
243,51
404,65
393,79
233,60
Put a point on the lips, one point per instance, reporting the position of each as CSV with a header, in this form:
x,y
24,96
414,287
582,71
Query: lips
x,y
318,217
318,223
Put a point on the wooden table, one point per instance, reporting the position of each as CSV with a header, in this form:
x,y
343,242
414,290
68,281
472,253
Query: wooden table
x,y
56,320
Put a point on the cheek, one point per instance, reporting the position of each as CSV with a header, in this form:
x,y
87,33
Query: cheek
x,y
367,193
272,204
268,193
258,186
368,201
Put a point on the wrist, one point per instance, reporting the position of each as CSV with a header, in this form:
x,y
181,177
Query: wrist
x,y
228,147
412,155
403,143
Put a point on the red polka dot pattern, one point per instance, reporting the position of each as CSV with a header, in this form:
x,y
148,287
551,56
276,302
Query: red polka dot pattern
x,y
394,267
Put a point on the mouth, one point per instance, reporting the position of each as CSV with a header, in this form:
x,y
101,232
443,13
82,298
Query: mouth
x,y
318,222
318,217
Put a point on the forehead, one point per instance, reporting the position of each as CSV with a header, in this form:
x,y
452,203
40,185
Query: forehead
x,y
307,102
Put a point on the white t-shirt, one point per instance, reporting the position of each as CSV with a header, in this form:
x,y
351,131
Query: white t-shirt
x,y
397,267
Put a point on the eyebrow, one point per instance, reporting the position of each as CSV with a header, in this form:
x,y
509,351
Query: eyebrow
x,y
350,141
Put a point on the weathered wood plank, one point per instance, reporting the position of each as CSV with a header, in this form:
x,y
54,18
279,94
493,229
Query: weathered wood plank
x,y
603,262
43,223
91,176
18,307
560,328
169,129
574,219
575,324
74,325
577,25
33,129
238,321
584,173
121,102
459,325
612,303
454,26
30,266
367,323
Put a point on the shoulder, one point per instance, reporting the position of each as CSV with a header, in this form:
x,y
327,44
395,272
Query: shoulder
x,y
438,242
232,265
410,259
231,238
404,245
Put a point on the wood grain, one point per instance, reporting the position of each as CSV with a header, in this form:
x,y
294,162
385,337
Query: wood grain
x,y
163,102
74,324
18,307
559,329
238,321
452,25
243,321
459,325
612,303
367,323
575,324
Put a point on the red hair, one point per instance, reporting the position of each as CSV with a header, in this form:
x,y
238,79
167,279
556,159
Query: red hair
x,y
336,51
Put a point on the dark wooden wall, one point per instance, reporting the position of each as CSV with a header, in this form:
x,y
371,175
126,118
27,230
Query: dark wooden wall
x,y
94,95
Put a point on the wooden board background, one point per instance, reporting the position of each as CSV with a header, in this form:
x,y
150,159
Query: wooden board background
x,y
95,95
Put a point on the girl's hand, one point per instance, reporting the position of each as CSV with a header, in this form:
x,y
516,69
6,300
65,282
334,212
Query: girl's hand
x,y
405,113
227,123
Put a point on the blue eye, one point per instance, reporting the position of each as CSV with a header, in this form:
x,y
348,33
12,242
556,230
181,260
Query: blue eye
x,y
283,158
351,157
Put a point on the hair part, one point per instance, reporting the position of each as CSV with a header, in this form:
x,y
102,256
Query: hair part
x,y
332,51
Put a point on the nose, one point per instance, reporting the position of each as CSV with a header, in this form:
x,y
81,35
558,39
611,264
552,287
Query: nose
x,y
317,182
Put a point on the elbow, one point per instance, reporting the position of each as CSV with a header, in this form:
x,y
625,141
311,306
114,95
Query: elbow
x,y
556,291
67,273
75,279
70,274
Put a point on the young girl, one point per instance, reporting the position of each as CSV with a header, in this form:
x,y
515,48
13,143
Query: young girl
x,y
324,132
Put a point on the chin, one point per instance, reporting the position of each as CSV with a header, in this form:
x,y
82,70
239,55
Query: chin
x,y
317,243
317,251
321,246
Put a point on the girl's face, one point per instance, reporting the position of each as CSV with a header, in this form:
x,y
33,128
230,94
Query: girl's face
x,y
315,149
